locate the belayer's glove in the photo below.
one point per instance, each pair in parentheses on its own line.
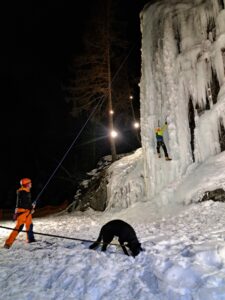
(33,207)
(15,215)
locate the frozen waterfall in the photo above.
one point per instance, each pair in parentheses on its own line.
(183,81)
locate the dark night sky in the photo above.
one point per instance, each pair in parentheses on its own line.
(37,47)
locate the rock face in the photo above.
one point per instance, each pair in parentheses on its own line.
(95,196)
(92,191)
(216,195)
(112,186)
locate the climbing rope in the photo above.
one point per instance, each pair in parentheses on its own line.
(68,150)
(48,234)
(99,104)
(57,236)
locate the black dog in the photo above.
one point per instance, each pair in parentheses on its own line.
(125,233)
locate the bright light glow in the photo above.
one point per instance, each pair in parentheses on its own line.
(131,97)
(136,125)
(113,134)
(111,112)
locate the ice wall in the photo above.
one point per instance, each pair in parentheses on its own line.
(183,45)
(126,183)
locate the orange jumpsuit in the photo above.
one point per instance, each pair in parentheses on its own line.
(24,216)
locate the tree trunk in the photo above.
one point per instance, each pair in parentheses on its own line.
(110,106)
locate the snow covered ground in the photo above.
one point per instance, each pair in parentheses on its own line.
(184,244)
(184,257)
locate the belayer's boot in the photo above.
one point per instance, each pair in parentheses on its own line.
(168,158)
(32,241)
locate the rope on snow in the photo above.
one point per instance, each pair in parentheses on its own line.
(56,236)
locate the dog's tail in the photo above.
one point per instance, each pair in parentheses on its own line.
(97,242)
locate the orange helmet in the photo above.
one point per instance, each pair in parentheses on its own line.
(25,181)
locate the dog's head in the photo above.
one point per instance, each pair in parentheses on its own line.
(135,248)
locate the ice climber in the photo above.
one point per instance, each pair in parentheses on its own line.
(160,142)
(23,213)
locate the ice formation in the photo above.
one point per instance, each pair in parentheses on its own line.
(183,81)
(126,182)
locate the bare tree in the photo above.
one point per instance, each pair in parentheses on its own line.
(96,73)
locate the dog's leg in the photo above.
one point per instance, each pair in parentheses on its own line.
(96,243)
(107,239)
(123,247)
(104,246)
(125,250)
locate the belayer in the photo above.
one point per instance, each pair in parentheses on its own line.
(160,142)
(23,213)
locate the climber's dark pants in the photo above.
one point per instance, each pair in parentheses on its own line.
(161,144)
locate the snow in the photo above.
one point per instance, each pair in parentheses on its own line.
(184,242)
(184,255)
(183,238)
(127,192)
